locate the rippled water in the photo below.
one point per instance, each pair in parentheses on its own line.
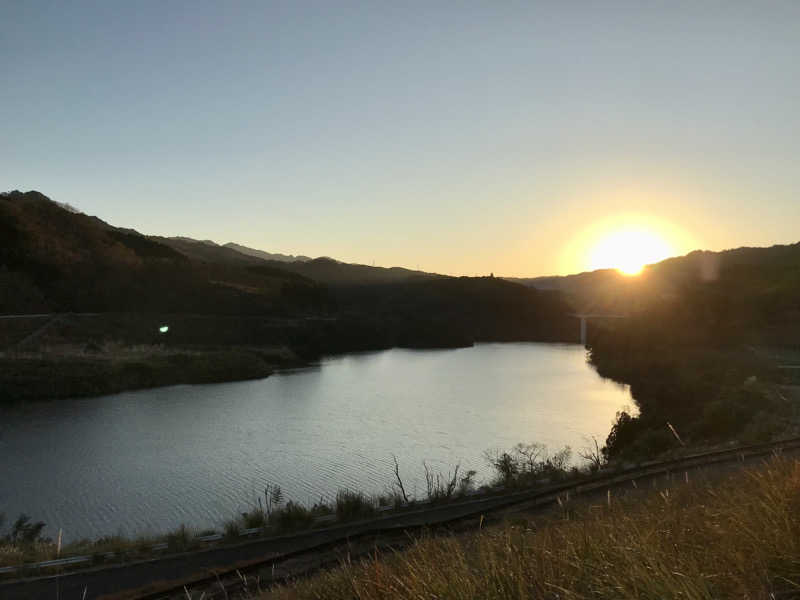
(146,461)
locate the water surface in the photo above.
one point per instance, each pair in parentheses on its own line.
(146,461)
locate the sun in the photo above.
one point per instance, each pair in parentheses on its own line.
(626,242)
(628,250)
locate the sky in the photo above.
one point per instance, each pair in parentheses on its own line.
(455,137)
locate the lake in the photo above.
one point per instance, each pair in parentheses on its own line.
(147,461)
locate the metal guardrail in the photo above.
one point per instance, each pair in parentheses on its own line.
(215,537)
(601,480)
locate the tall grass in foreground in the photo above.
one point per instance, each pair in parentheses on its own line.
(736,539)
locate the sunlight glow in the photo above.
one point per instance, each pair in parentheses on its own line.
(629,250)
(624,241)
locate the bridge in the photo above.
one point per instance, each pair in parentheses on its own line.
(584,317)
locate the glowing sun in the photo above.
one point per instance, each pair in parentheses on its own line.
(628,250)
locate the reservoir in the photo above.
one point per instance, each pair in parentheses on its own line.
(147,461)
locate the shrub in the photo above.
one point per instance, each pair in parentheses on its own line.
(763,427)
(528,464)
(504,464)
(527,456)
(179,540)
(440,487)
(292,516)
(624,431)
(393,498)
(467,482)
(23,532)
(353,505)
(560,460)
(321,509)
(255,518)
(232,529)
(651,443)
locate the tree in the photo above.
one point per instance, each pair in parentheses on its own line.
(502,462)
(529,454)
(25,532)
(399,482)
(594,456)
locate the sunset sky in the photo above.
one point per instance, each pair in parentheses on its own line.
(457,137)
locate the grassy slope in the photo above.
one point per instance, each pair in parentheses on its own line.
(740,538)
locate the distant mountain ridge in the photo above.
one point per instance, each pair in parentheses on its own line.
(186,242)
(266,255)
(206,251)
(323,269)
(608,290)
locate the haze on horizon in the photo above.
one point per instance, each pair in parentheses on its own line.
(461,138)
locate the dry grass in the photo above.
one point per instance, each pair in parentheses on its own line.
(735,539)
(130,548)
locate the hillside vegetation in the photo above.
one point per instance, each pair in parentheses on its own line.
(757,286)
(56,260)
(703,349)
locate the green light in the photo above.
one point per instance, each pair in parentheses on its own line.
(163,329)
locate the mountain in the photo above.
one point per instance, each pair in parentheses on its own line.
(323,270)
(330,271)
(58,260)
(206,251)
(266,255)
(754,279)
(335,273)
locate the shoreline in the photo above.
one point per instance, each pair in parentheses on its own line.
(70,371)
(43,376)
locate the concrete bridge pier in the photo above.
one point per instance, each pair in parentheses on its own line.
(584,317)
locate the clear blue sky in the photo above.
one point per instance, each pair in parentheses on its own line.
(461,137)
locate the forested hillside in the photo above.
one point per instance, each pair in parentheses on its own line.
(706,349)
(56,260)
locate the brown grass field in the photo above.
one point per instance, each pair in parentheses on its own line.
(735,538)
